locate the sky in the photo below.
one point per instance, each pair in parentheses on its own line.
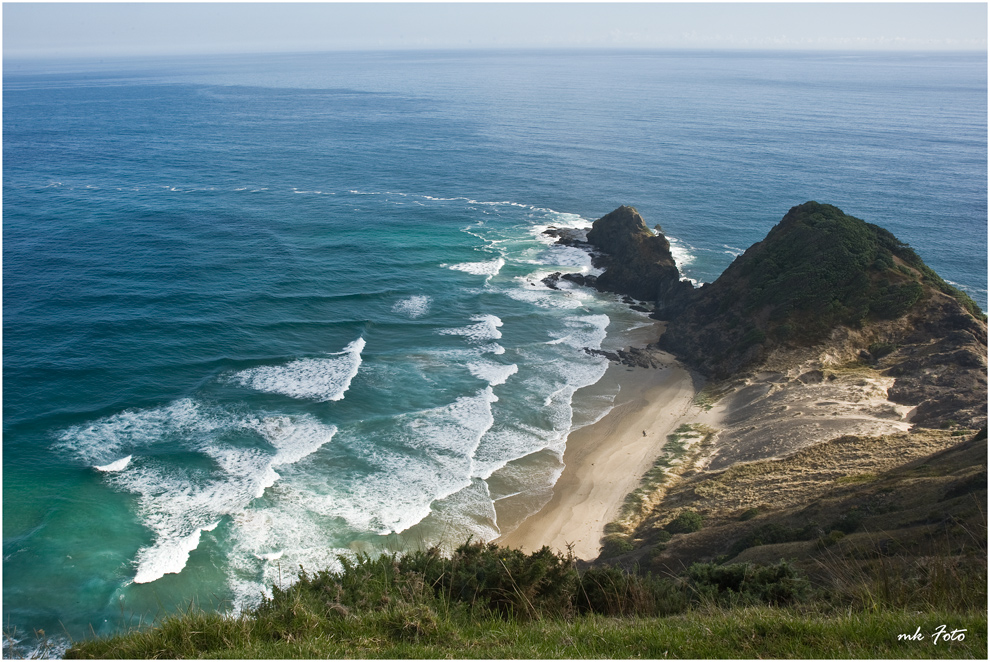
(43,29)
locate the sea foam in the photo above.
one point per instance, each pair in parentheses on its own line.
(485,328)
(487,269)
(414,306)
(118,465)
(494,373)
(98,443)
(178,502)
(322,379)
(418,458)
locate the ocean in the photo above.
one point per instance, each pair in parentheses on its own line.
(263,311)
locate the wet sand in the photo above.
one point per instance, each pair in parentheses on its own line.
(605,461)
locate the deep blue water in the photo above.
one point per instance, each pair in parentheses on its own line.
(261,311)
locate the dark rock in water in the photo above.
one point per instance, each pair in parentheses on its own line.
(611,356)
(636,357)
(581,279)
(551,280)
(638,263)
(568,236)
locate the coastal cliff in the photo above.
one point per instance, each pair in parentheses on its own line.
(845,393)
(819,270)
(822,284)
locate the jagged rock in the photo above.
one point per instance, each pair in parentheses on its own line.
(611,356)
(635,357)
(551,280)
(640,357)
(582,279)
(638,263)
(568,236)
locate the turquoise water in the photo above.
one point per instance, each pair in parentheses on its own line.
(259,312)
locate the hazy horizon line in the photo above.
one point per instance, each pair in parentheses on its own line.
(145,55)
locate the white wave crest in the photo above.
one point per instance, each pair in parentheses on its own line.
(486,328)
(177,502)
(414,306)
(541,296)
(178,506)
(555,370)
(100,442)
(426,456)
(118,465)
(323,380)
(294,440)
(494,373)
(168,558)
(489,269)
(681,252)
(585,331)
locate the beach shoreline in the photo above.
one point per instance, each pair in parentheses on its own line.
(605,461)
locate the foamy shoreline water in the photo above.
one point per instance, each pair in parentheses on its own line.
(437,472)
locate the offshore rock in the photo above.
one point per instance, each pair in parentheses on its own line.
(637,262)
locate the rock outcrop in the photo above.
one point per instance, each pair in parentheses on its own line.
(637,262)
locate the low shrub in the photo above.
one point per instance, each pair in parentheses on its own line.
(614,544)
(744,583)
(687,521)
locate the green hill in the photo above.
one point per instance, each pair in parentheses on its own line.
(816,270)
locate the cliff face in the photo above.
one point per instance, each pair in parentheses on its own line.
(637,262)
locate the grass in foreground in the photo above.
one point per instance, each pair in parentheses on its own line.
(747,632)
(489,602)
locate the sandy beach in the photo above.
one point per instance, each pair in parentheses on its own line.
(605,461)
(762,416)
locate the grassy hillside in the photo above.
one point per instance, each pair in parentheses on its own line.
(891,520)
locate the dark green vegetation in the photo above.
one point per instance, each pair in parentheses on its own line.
(820,267)
(489,602)
(816,270)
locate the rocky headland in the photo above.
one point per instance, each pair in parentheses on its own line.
(842,390)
